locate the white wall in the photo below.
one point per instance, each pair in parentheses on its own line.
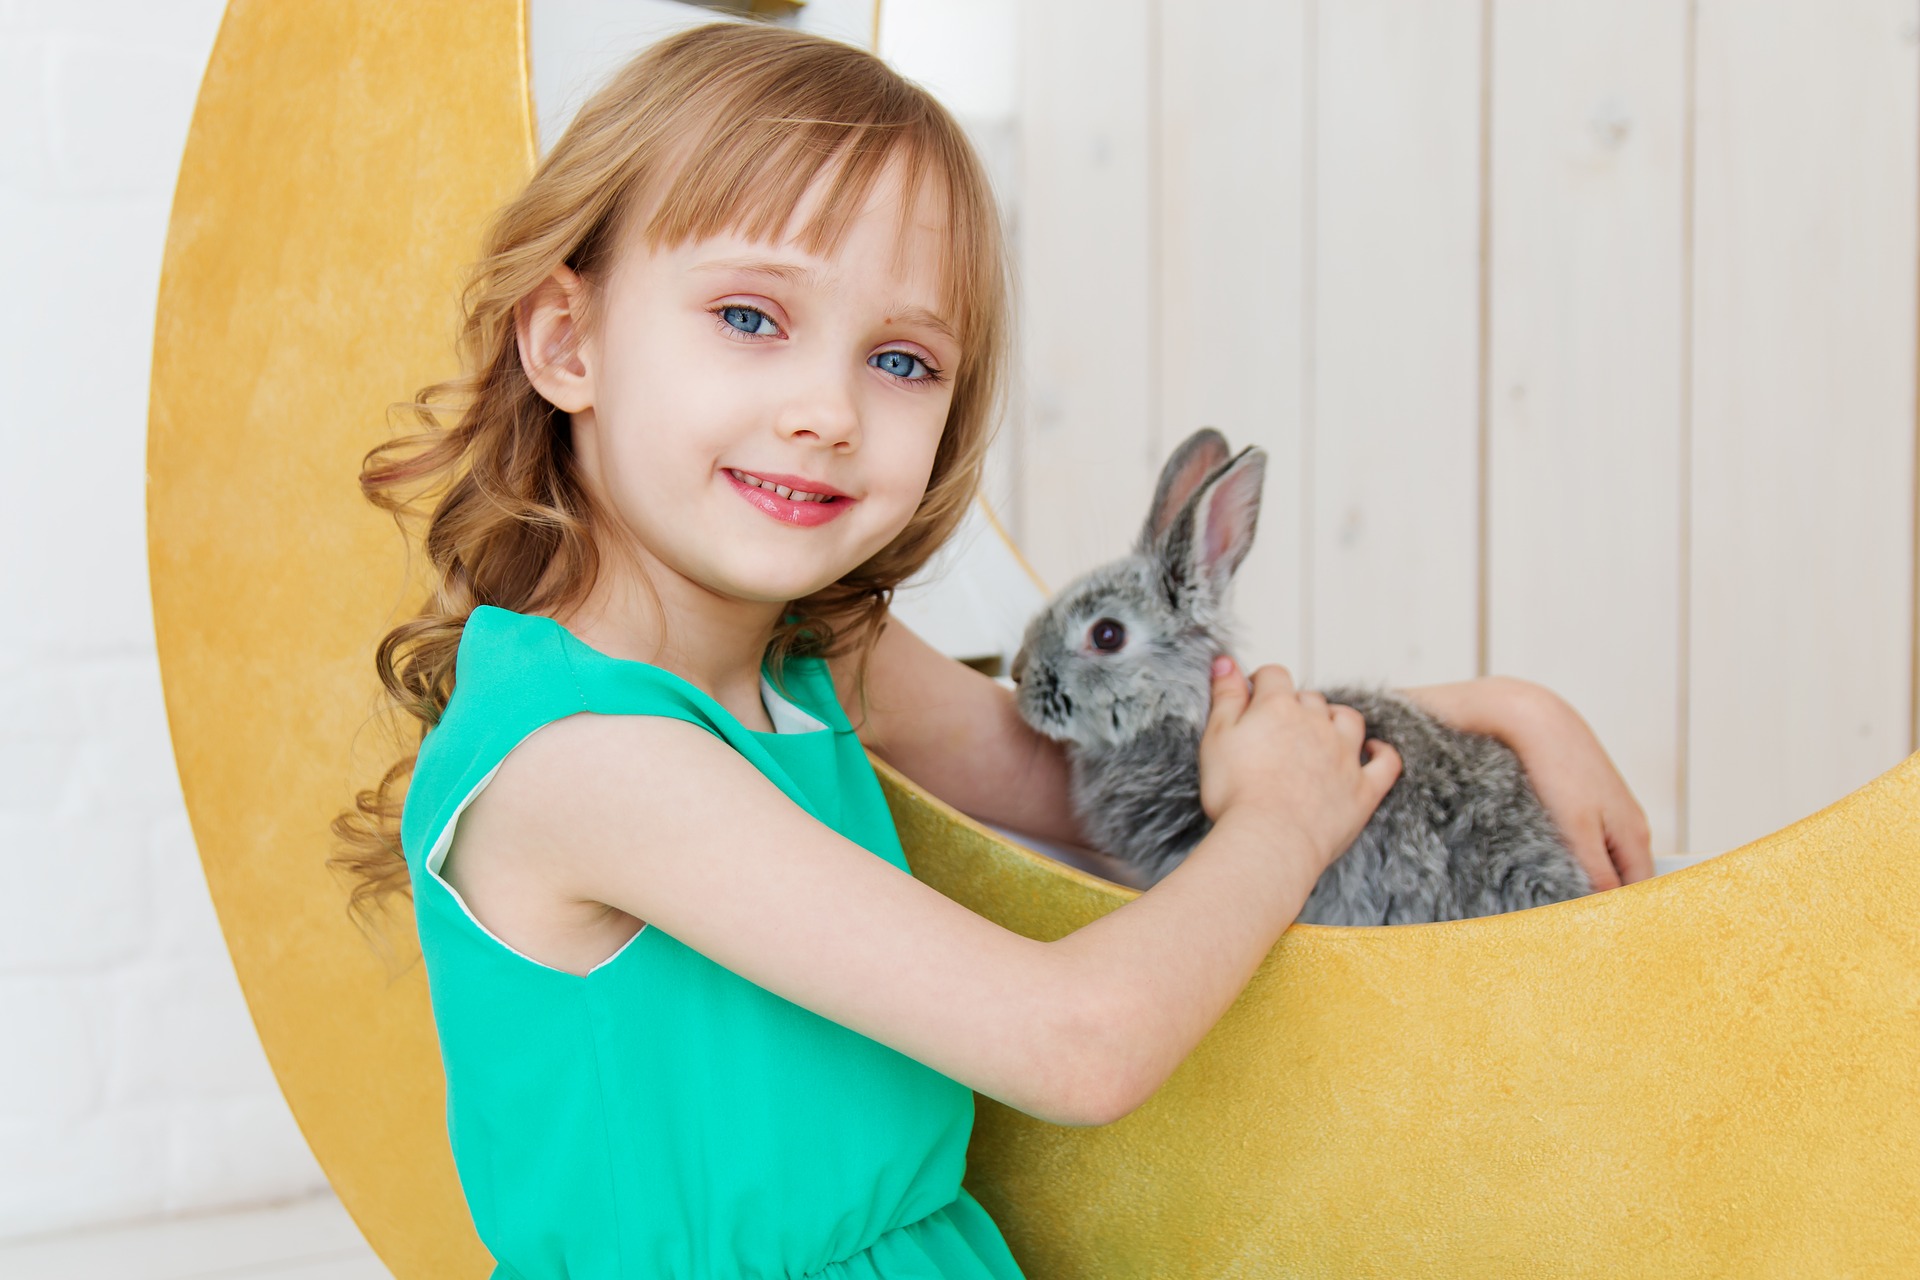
(131,1082)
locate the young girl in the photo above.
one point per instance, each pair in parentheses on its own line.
(734,353)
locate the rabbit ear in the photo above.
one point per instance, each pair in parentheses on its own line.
(1199,456)
(1212,534)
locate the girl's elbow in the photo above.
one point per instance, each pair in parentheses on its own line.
(1104,1084)
(1085,1044)
(1116,1104)
(1079,1109)
(1093,1102)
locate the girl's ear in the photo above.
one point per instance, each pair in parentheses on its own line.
(1212,534)
(548,329)
(1198,457)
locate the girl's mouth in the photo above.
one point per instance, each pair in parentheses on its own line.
(800,508)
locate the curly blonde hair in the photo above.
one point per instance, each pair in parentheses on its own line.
(720,128)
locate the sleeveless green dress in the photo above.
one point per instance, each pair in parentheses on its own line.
(662,1117)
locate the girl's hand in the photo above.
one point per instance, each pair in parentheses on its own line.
(1291,759)
(1583,793)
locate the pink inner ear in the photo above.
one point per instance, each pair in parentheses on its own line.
(1186,480)
(1229,516)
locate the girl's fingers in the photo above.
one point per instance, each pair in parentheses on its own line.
(1382,767)
(1272,681)
(1589,844)
(1630,850)
(1230,693)
(1351,724)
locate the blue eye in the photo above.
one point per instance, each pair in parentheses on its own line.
(750,320)
(901,364)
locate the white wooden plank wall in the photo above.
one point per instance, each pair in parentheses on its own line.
(1086,268)
(1800,644)
(1394,417)
(1231,326)
(1581,334)
(1585,347)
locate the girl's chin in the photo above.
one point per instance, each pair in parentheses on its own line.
(780,588)
(791,564)
(791,573)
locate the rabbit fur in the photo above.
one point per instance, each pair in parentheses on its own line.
(1460,833)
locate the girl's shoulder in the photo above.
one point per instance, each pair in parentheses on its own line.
(506,659)
(511,677)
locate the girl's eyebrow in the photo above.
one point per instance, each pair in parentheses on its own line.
(922,316)
(763,266)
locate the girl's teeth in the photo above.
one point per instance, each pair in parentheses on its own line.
(792,495)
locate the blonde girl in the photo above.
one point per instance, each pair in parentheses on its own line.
(732,360)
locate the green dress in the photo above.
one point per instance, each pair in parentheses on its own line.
(662,1117)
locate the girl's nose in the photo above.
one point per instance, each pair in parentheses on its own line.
(822,412)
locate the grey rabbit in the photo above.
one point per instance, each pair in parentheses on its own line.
(1117,666)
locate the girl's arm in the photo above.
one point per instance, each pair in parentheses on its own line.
(1583,793)
(956,733)
(659,819)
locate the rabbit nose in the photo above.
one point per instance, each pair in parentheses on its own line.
(1019,665)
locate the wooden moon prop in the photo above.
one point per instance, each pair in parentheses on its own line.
(1716,1072)
(342,159)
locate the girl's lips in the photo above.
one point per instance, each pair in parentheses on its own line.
(786,509)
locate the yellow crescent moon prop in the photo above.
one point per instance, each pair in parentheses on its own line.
(1712,1073)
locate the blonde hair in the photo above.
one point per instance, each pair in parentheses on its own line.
(720,128)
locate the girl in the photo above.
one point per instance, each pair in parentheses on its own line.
(734,353)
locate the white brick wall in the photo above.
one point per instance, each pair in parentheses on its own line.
(131,1081)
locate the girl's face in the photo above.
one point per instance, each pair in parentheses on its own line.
(725,366)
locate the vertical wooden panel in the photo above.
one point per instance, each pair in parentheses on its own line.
(1803,412)
(1086,263)
(997,138)
(1231,251)
(1585,370)
(1394,419)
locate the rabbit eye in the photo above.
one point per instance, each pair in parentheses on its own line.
(1107,635)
